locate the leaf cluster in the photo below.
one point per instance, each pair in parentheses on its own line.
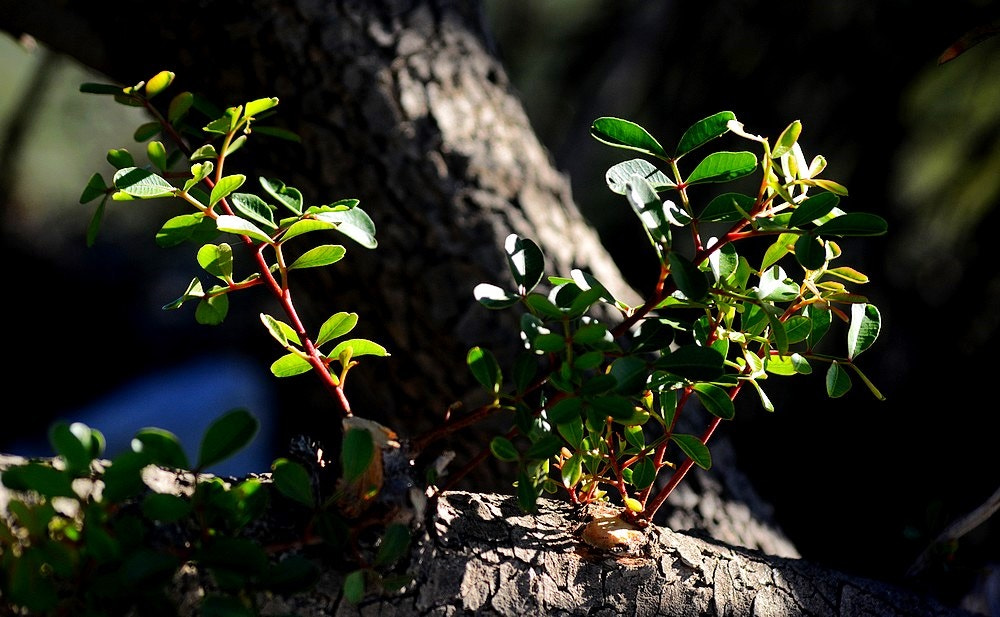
(595,402)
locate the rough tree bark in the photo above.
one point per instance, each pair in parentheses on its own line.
(403,105)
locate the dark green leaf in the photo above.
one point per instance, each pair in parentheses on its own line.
(797,327)
(526,262)
(123,478)
(293,481)
(694,449)
(548,445)
(165,508)
(643,473)
(704,131)
(394,544)
(287,196)
(810,252)
(816,207)
(564,410)
(94,88)
(820,319)
(527,494)
(357,454)
(727,207)
(74,444)
(631,372)
(715,400)
(524,370)
(195,227)
(211,311)
(626,134)
(572,431)
(838,382)
(692,362)
(354,587)
(95,188)
(292,574)
(43,479)
(161,447)
(690,280)
(616,407)
(854,224)
(146,131)
(504,449)
(226,436)
(723,167)
(572,470)
(485,368)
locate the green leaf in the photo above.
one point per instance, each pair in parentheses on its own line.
(146,131)
(776,286)
(820,319)
(797,328)
(786,140)
(287,196)
(692,362)
(157,154)
(690,280)
(526,262)
(353,223)
(619,408)
(650,210)
(394,544)
(631,372)
(236,225)
(704,131)
(813,208)
(158,83)
(212,310)
(253,208)
(778,334)
(280,133)
(305,226)
(161,447)
(165,508)
(120,159)
(485,368)
(123,478)
(357,454)
(564,410)
(694,449)
(95,188)
(572,431)
(205,152)
(618,176)
(716,400)
(259,106)
(493,297)
(548,445)
(527,494)
(354,587)
(74,445)
(226,436)
(179,106)
(866,322)
(336,326)
(225,186)
(838,382)
(142,184)
(793,364)
(643,473)
(572,470)
(854,224)
(319,256)
(292,574)
(723,167)
(810,252)
(626,134)
(503,449)
(728,207)
(182,228)
(359,347)
(293,481)
(45,480)
(279,330)
(290,365)
(217,260)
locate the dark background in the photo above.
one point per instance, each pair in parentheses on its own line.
(858,484)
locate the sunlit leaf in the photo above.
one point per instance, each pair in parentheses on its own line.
(704,131)
(225,186)
(319,256)
(694,449)
(723,167)
(626,134)
(485,368)
(290,365)
(525,260)
(618,176)
(787,139)
(336,326)
(142,184)
(854,224)
(236,225)
(866,322)
(838,382)
(715,400)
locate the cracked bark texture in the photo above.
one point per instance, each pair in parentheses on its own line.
(404,105)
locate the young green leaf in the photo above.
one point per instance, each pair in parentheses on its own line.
(212,310)
(336,326)
(253,208)
(279,330)
(287,196)
(225,186)
(305,226)
(259,106)
(226,436)
(786,140)
(239,226)
(359,347)
(217,260)
(723,167)
(289,365)
(626,134)
(354,587)
(319,256)
(353,223)
(866,322)
(293,481)
(158,83)
(704,131)
(694,449)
